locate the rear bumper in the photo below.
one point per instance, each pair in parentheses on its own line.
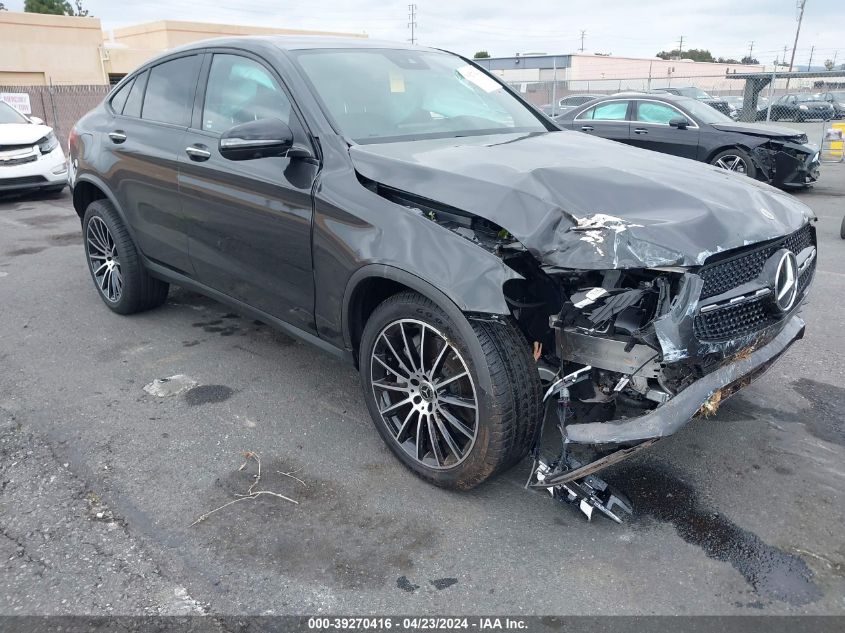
(679,410)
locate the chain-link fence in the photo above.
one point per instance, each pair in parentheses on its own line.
(60,107)
(815,101)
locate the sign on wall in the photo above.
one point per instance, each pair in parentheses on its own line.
(18,100)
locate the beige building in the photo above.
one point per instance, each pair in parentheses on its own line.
(37,49)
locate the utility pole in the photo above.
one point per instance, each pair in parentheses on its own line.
(583,33)
(750,50)
(801,5)
(412,22)
(810,63)
(681,48)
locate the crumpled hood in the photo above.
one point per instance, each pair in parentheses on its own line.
(577,201)
(22,133)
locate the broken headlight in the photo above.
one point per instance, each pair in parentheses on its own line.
(48,143)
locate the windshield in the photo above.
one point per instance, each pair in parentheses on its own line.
(377,95)
(695,93)
(705,113)
(9,115)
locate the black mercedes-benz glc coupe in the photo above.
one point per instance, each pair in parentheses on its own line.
(403,209)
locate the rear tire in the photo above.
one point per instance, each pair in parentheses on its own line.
(842,229)
(501,383)
(115,266)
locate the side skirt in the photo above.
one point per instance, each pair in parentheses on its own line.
(170,276)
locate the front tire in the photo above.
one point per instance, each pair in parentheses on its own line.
(455,402)
(735,160)
(115,266)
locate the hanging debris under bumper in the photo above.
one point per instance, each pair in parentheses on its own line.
(667,418)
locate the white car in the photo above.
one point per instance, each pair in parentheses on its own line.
(30,154)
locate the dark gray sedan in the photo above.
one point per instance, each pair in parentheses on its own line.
(686,127)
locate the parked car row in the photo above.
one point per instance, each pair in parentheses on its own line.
(800,108)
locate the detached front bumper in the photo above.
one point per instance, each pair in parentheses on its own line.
(679,410)
(796,167)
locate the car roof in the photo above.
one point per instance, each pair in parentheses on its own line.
(300,42)
(662,96)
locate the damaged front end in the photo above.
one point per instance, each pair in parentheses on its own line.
(788,162)
(637,353)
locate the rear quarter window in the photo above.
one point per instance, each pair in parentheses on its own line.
(136,96)
(120,97)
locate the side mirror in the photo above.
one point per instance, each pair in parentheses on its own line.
(36,120)
(257,139)
(679,122)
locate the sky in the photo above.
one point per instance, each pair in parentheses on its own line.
(621,27)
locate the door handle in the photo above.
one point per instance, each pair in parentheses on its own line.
(117,136)
(586,128)
(640,130)
(198,152)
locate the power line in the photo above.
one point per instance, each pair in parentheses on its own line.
(412,21)
(681,48)
(810,63)
(801,5)
(583,33)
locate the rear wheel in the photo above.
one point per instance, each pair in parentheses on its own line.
(455,402)
(735,160)
(121,280)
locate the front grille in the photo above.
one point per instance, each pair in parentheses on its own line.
(733,321)
(744,318)
(727,274)
(9,148)
(18,161)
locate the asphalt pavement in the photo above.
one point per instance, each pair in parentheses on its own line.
(100,481)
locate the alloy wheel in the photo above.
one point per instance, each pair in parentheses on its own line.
(732,162)
(104,259)
(424,393)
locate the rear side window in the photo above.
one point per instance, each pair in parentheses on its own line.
(120,97)
(612,111)
(170,91)
(136,96)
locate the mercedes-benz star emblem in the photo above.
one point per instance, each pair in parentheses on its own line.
(786,281)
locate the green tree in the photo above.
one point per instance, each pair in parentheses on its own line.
(695,54)
(749,60)
(481,55)
(829,64)
(3,7)
(55,7)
